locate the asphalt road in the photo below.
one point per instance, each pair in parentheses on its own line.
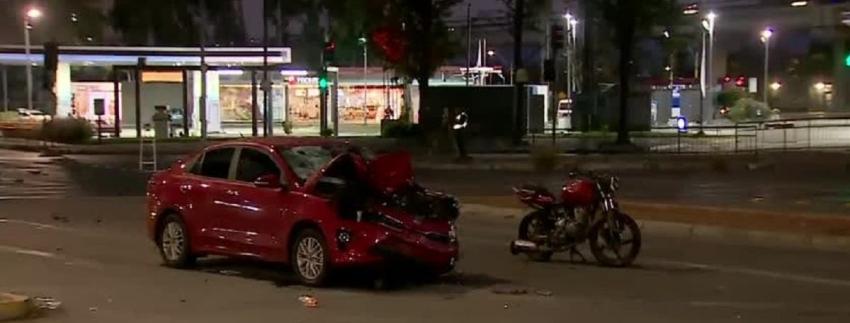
(87,248)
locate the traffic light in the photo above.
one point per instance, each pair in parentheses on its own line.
(329,53)
(847,60)
(741,81)
(323,79)
(557,37)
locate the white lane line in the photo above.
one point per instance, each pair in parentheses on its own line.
(29,252)
(754,272)
(37,225)
(49,255)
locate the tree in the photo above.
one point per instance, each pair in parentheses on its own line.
(628,18)
(419,42)
(177,22)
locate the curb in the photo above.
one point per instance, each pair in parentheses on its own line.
(710,232)
(13,306)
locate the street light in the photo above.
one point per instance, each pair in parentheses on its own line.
(708,24)
(32,14)
(775,86)
(765,38)
(491,53)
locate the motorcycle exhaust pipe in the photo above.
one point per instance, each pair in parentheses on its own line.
(519,246)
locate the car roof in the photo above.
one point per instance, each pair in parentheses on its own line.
(285,142)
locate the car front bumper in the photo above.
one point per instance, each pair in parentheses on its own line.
(375,245)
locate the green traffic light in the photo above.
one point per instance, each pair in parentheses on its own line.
(323,83)
(847,60)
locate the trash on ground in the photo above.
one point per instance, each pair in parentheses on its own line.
(93,309)
(505,307)
(543,292)
(46,303)
(4,220)
(510,290)
(60,218)
(228,272)
(308,301)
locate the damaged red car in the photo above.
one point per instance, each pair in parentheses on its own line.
(316,204)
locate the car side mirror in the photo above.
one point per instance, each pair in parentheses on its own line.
(268,181)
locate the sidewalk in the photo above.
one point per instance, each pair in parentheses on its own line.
(818,231)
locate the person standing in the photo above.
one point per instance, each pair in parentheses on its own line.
(459,127)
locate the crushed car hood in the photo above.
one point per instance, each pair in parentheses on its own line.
(387,173)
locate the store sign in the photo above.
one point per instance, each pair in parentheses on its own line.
(307,80)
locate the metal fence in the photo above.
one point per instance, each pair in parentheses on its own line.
(751,137)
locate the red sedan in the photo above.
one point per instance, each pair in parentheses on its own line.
(314,203)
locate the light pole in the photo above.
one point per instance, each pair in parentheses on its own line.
(708,24)
(32,14)
(571,30)
(765,38)
(364,42)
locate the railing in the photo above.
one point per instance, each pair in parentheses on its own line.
(750,137)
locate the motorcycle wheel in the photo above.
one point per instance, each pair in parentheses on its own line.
(529,227)
(607,244)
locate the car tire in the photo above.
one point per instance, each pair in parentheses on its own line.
(309,257)
(173,243)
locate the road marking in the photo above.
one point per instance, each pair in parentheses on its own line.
(28,252)
(37,225)
(755,272)
(49,255)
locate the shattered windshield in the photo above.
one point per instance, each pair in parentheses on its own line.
(306,160)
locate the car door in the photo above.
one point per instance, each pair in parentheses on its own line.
(259,209)
(209,198)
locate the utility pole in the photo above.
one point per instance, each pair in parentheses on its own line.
(520,79)
(202,106)
(468,41)
(588,69)
(266,84)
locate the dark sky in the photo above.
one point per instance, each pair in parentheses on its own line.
(253,10)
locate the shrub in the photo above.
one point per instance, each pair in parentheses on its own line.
(728,98)
(544,159)
(287,127)
(749,110)
(67,130)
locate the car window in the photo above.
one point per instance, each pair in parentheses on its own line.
(254,163)
(216,163)
(195,165)
(306,160)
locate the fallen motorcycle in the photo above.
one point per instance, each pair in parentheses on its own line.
(587,211)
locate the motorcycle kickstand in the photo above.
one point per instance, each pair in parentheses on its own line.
(575,252)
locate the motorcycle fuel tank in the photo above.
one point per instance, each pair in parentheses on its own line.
(578,192)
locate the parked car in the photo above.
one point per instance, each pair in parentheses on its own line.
(32,115)
(317,204)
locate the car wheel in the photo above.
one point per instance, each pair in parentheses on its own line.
(309,257)
(174,243)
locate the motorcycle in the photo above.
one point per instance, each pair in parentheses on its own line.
(586,212)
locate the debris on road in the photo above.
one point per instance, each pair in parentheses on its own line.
(60,218)
(3,220)
(308,301)
(93,309)
(228,272)
(34,171)
(510,290)
(543,292)
(505,307)
(46,303)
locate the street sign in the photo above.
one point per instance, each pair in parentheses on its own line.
(753,85)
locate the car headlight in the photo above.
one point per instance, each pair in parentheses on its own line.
(453,232)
